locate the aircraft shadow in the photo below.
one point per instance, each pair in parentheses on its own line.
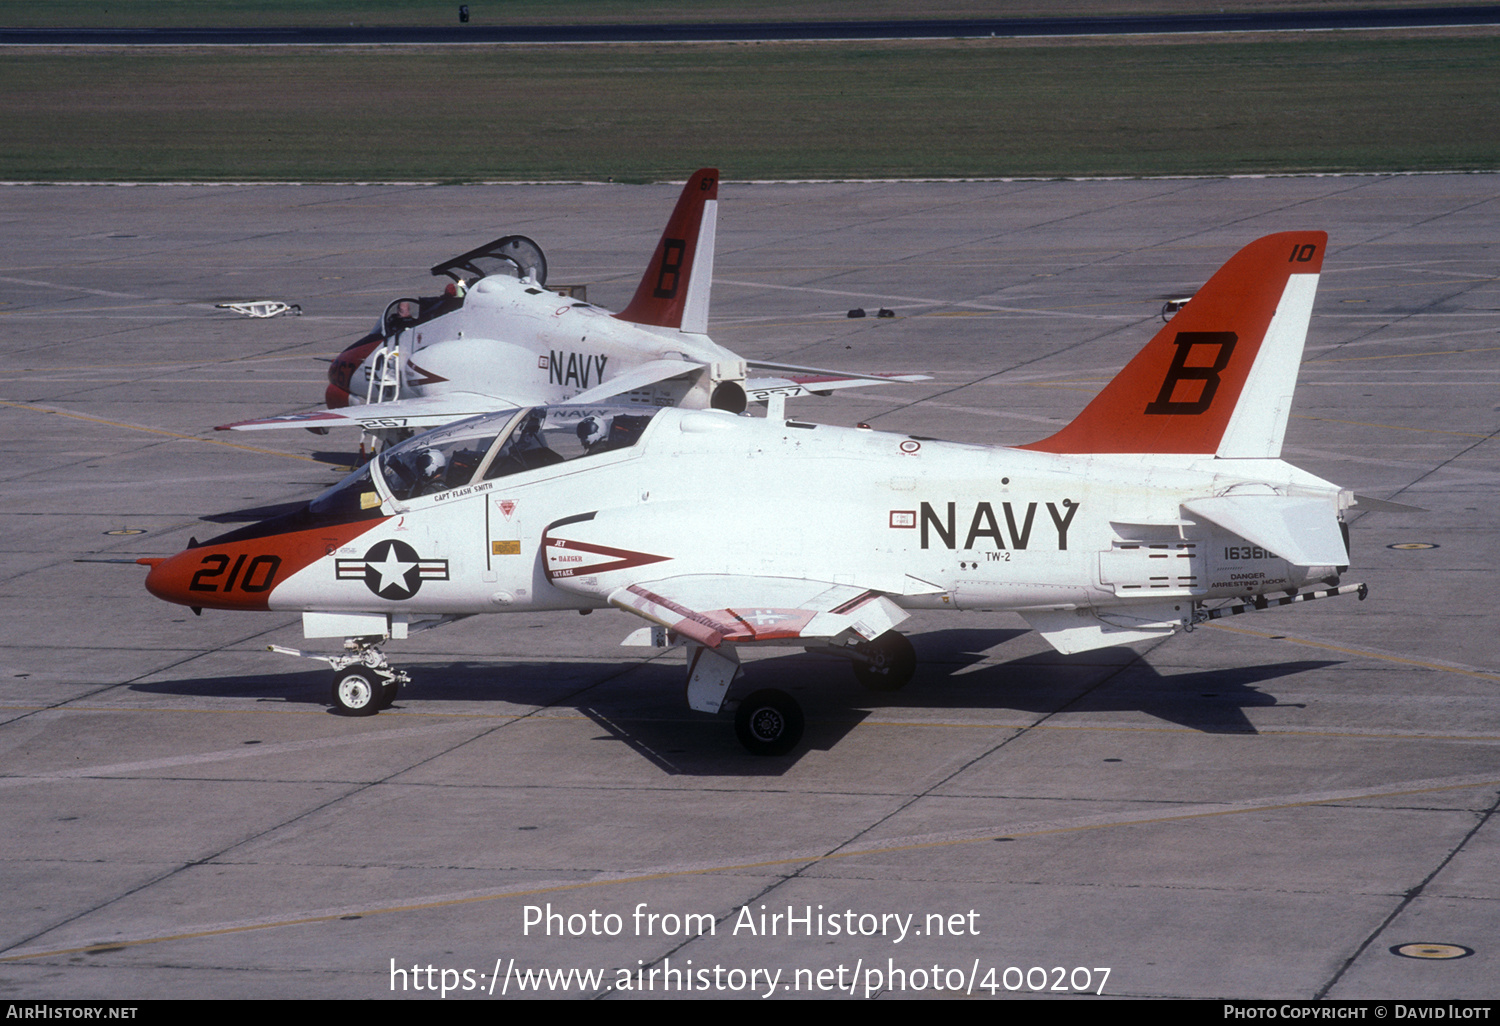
(254,513)
(641,704)
(250,514)
(1107,680)
(1210,701)
(347,459)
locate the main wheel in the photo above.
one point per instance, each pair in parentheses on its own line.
(388,693)
(769,722)
(356,693)
(892,662)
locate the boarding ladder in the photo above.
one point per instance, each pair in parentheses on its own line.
(384,382)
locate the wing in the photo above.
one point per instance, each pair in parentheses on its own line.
(718,613)
(715,609)
(422,412)
(793,381)
(431,411)
(636,377)
(759,389)
(788,380)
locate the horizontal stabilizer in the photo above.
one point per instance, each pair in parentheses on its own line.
(1365,503)
(1304,532)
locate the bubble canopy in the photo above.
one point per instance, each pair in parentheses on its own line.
(490,446)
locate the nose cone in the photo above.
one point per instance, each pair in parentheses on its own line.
(219,577)
(336,396)
(245,568)
(341,372)
(169,578)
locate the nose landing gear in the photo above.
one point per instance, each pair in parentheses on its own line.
(363,682)
(363,692)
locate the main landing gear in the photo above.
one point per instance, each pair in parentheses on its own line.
(363,682)
(768,722)
(885,664)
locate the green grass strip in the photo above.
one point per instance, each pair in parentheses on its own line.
(1316,102)
(239,13)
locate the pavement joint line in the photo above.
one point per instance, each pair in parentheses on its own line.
(1206,810)
(1402,356)
(179,364)
(976,308)
(225,755)
(1186,36)
(1406,899)
(1471,280)
(357,789)
(1403,340)
(1388,427)
(969,180)
(544,716)
(150,430)
(320,711)
(858,839)
(1367,653)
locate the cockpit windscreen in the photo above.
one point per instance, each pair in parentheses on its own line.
(508,442)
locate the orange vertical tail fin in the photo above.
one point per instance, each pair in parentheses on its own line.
(1218,378)
(673,293)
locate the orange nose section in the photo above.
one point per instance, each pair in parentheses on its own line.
(219,578)
(335,397)
(341,371)
(243,569)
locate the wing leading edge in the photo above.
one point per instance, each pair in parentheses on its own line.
(714,614)
(422,412)
(717,609)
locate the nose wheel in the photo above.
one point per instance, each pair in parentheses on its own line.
(362,692)
(363,682)
(355,693)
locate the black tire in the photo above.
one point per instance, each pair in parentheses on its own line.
(892,662)
(769,722)
(356,693)
(388,694)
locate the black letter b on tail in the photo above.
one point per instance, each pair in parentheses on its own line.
(1180,371)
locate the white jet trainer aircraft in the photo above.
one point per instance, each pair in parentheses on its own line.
(498,339)
(1164,504)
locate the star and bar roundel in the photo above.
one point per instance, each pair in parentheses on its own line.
(392,570)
